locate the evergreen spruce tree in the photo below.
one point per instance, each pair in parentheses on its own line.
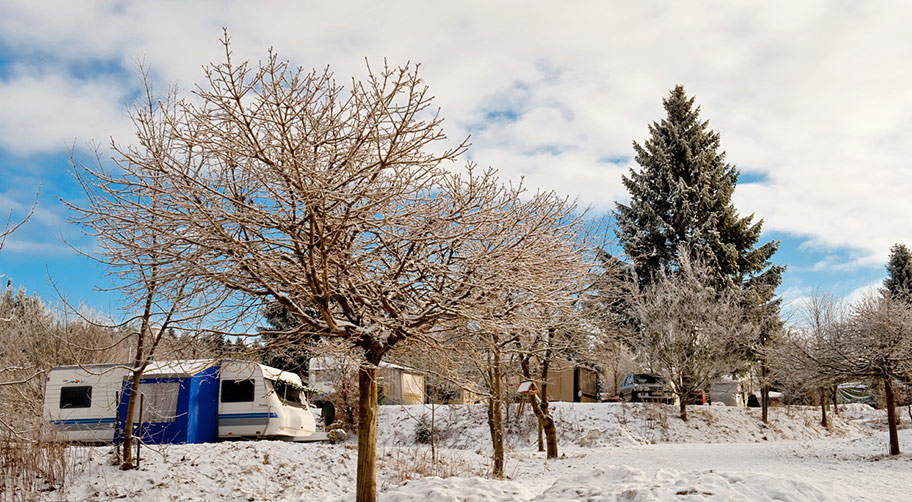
(682,196)
(898,283)
(287,344)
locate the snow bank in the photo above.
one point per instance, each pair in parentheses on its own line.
(230,471)
(619,424)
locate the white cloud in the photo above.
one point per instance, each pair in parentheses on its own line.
(36,248)
(813,96)
(796,299)
(860,293)
(50,112)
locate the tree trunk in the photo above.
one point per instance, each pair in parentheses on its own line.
(549,426)
(683,408)
(823,407)
(366,481)
(434,435)
(764,392)
(546,423)
(495,416)
(539,407)
(550,437)
(891,415)
(835,392)
(139,366)
(128,421)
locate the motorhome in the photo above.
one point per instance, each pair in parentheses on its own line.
(189,401)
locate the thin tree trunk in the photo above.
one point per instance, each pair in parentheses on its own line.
(546,422)
(366,481)
(549,426)
(117,453)
(139,366)
(823,407)
(835,393)
(540,409)
(433,435)
(891,415)
(683,408)
(128,422)
(495,415)
(142,399)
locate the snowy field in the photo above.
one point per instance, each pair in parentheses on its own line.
(609,452)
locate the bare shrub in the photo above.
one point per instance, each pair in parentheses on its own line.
(37,337)
(416,463)
(33,460)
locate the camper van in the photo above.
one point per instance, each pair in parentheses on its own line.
(193,401)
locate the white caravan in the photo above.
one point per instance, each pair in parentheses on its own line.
(260,401)
(82,401)
(252,401)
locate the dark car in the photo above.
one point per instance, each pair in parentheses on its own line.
(644,387)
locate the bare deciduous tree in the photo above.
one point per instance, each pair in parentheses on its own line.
(37,337)
(797,359)
(531,287)
(126,212)
(9,227)
(607,311)
(542,350)
(875,342)
(690,332)
(281,186)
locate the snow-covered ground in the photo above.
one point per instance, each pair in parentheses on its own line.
(609,452)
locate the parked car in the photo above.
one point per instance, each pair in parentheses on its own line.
(644,387)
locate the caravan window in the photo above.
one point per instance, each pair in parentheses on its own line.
(237,391)
(76,397)
(288,392)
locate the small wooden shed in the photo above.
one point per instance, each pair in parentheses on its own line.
(397,384)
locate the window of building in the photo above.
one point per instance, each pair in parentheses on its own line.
(76,397)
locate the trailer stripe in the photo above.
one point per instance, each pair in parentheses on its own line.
(232,416)
(80,421)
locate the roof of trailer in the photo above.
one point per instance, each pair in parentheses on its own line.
(185,367)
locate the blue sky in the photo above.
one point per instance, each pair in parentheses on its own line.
(813,102)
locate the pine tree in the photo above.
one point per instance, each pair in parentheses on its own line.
(898,284)
(681,196)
